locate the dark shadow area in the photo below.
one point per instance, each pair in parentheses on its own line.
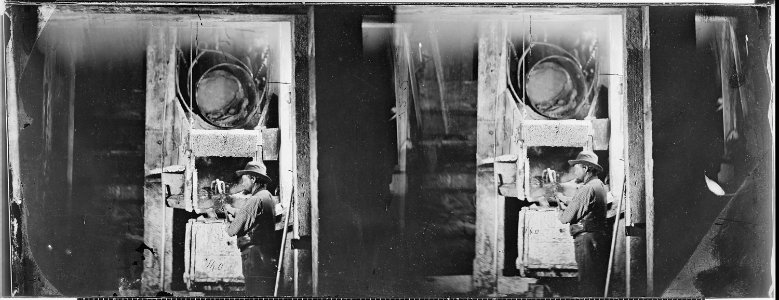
(360,249)
(688,142)
(88,132)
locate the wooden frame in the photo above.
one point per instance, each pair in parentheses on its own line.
(639,208)
(489,256)
(296,141)
(489,208)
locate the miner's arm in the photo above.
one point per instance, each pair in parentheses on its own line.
(244,218)
(575,209)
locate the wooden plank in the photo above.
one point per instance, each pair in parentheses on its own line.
(153,236)
(491,83)
(313,155)
(516,146)
(635,209)
(285,61)
(402,90)
(547,243)
(618,125)
(215,256)
(235,143)
(648,160)
(399,185)
(227,143)
(9,132)
(190,173)
(160,151)
(511,190)
(566,133)
(484,265)
(302,222)
(503,133)
(159,95)
(12,123)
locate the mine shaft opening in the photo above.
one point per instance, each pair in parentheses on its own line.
(526,92)
(230,110)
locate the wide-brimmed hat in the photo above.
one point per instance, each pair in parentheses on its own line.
(587,158)
(255,168)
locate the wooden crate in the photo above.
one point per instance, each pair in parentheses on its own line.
(211,256)
(545,245)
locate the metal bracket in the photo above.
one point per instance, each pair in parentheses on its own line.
(258,155)
(636,229)
(303,243)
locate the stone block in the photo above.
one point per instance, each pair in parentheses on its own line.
(565,133)
(229,143)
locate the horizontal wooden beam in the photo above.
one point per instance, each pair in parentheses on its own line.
(566,133)
(406,13)
(509,190)
(236,143)
(211,15)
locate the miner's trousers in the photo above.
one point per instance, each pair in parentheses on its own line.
(592,251)
(258,272)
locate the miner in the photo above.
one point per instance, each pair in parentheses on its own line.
(253,223)
(586,214)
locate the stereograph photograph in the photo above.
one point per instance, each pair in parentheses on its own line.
(525,150)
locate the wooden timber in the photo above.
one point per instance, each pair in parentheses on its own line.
(565,133)
(313,156)
(489,206)
(235,143)
(636,248)
(510,133)
(399,187)
(303,75)
(160,105)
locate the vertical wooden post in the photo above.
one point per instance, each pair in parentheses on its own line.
(489,206)
(648,161)
(313,155)
(401,115)
(12,121)
(636,248)
(303,64)
(288,150)
(14,182)
(160,151)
